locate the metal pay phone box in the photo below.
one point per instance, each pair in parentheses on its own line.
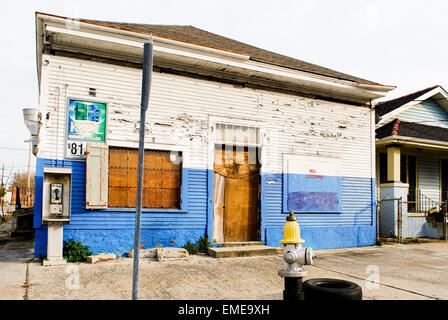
(56,198)
(56,195)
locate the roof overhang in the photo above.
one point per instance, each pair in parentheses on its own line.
(439,95)
(412,142)
(62,33)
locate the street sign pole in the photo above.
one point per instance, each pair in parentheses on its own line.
(146,86)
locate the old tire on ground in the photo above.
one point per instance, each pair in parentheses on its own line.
(331,289)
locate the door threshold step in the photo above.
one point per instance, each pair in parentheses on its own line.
(242,251)
(240,243)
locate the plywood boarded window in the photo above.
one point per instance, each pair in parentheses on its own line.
(161,178)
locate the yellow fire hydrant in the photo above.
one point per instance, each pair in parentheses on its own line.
(295,257)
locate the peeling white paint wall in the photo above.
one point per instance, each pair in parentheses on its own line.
(179,111)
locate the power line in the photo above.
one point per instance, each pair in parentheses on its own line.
(12,148)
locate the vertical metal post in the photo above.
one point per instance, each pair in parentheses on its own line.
(399,219)
(293,289)
(29,174)
(444,210)
(378,217)
(146,86)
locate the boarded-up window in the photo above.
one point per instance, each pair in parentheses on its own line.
(161,178)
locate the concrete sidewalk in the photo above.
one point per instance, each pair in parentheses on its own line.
(14,258)
(414,271)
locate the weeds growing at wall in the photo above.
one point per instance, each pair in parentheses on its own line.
(191,248)
(75,251)
(203,244)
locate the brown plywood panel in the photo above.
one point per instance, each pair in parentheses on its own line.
(154,199)
(117,177)
(153,160)
(168,164)
(161,178)
(239,168)
(117,197)
(171,180)
(118,158)
(240,217)
(152,179)
(170,198)
(133,159)
(131,197)
(132,177)
(236,162)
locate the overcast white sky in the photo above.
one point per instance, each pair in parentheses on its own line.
(401,43)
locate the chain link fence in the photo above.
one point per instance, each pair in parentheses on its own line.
(389,218)
(393,217)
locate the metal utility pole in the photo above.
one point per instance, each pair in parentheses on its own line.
(2,190)
(146,86)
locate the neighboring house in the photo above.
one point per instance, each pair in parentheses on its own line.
(236,137)
(412,158)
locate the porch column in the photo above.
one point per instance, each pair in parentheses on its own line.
(393,163)
(393,189)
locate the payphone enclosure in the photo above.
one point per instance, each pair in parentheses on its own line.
(56,195)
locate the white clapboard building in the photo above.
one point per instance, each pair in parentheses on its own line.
(236,137)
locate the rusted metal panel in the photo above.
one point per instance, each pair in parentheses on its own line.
(161,179)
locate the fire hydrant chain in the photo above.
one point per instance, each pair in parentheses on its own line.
(295,257)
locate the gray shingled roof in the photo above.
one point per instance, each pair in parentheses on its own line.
(388,106)
(413,130)
(197,36)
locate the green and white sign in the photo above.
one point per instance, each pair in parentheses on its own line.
(86,122)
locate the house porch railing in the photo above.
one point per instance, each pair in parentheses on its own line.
(417,202)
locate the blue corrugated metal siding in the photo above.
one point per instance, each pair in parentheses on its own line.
(167,227)
(357,206)
(112,229)
(353,226)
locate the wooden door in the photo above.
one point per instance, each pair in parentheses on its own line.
(236,193)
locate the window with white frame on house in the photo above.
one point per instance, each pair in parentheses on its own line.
(162,177)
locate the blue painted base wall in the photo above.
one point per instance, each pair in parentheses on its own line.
(328,237)
(121,241)
(112,230)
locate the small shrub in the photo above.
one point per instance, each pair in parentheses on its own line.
(203,244)
(75,251)
(191,247)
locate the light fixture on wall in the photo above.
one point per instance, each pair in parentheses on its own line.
(31,118)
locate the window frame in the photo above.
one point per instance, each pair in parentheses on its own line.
(183,207)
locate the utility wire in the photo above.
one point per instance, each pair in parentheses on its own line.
(12,148)
(383,284)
